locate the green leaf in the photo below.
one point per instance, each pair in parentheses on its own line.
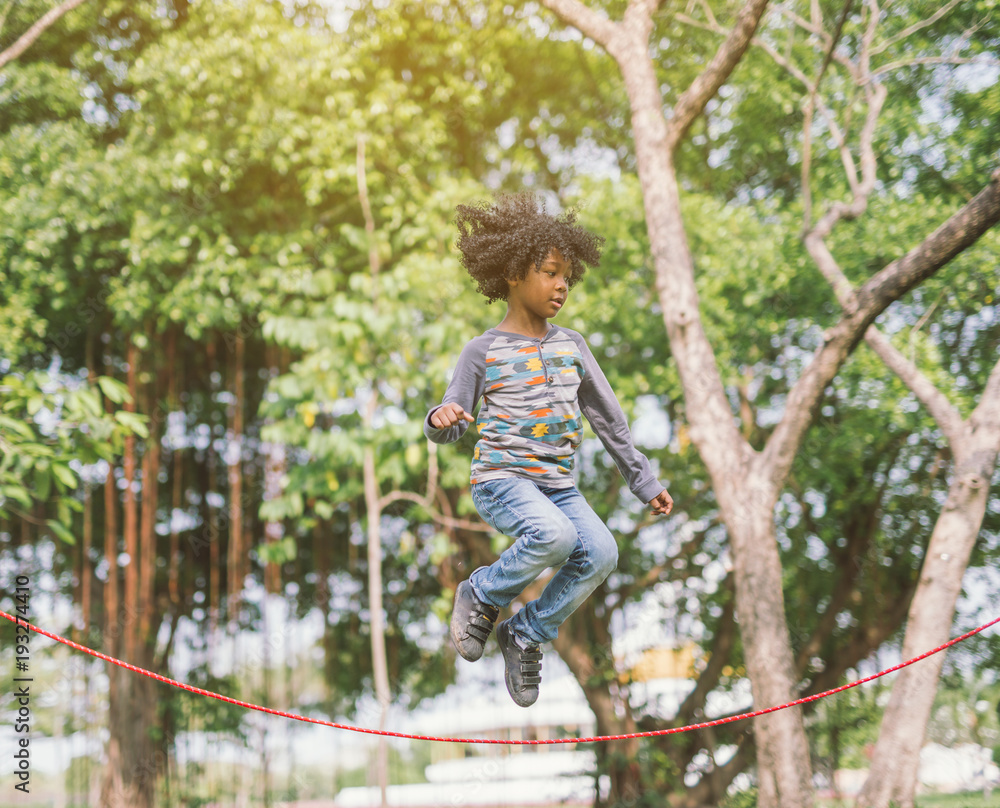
(65,475)
(274,510)
(16,493)
(116,391)
(61,531)
(133,422)
(21,428)
(90,402)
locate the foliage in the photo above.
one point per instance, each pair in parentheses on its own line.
(189,173)
(50,428)
(747,798)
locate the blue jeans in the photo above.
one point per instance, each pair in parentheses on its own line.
(550,527)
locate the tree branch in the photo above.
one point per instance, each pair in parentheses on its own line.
(722,645)
(946,415)
(941,409)
(811,88)
(586,20)
(708,13)
(989,402)
(814,26)
(811,103)
(834,41)
(816,29)
(816,13)
(861,644)
(693,100)
(437,516)
(806,169)
(917,26)
(935,60)
(861,188)
(27,39)
(868,38)
(959,232)
(712,785)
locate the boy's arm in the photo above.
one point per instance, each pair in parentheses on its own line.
(601,408)
(464,391)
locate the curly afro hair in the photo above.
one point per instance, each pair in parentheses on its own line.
(503,240)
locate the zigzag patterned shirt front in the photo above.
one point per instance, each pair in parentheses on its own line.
(535,393)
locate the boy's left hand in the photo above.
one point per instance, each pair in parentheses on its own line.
(662,503)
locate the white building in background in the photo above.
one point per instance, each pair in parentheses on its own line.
(545,776)
(968,767)
(497,774)
(538,776)
(943,770)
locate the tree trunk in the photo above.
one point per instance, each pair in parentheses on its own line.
(584,645)
(111,782)
(177,475)
(784,769)
(275,466)
(234,450)
(130,524)
(373,506)
(321,551)
(274,530)
(380,668)
(892,779)
(741,478)
(150,505)
(86,568)
(747,483)
(130,771)
(215,558)
(974,444)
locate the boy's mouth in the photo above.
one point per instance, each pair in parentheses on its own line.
(558,301)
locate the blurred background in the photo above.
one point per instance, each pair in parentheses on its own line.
(229,294)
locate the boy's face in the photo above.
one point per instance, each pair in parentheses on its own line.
(544,289)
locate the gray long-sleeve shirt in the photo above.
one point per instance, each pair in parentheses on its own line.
(533,392)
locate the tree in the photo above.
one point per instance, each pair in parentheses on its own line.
(973,442)
(163,255)
(25,40)
(40,462)
(848,524)
(210,229)
(747,501)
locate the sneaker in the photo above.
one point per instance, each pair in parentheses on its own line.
(471,622)
(523,666)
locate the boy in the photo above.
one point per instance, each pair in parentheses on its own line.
(536,380)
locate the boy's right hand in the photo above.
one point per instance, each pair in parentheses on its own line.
(447,415)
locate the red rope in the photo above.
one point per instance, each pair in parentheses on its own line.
(599,738)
